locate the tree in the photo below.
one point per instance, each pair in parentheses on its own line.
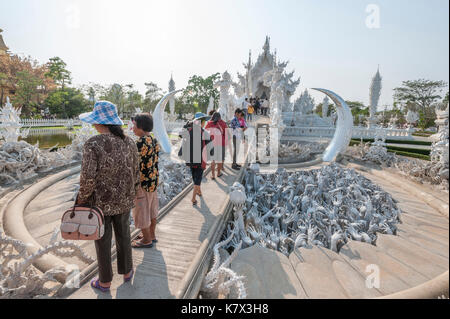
(26,95)
(359,110)
(421,92)
(420,95)
(58,72)
(11,65)
(153,94)
(3,81)
(199,90)
(67,103)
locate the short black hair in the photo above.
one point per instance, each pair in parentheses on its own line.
(144,122)
(211,113)
(237,111)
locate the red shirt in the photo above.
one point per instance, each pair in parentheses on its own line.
(215,129)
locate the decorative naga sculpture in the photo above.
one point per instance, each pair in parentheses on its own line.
(10,123)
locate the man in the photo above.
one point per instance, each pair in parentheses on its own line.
(257,106)
(245,105)
(265,107)
(237,127)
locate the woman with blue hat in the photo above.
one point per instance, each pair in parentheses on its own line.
(109,179)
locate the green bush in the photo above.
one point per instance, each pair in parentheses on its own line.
(397,142)
(413,155)
(409,150)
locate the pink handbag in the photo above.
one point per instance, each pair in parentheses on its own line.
(83,223)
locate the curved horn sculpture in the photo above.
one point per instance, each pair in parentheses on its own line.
(344,127)
(159,128)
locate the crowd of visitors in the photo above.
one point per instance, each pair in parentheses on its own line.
(120,176)
(254,106)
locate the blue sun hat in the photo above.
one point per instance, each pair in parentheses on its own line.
(104,113)
(201,116)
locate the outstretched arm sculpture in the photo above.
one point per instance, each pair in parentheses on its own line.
(159,128)
(344,127)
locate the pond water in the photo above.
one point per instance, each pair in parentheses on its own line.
(49,138)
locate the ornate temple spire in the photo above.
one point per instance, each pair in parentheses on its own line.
(266,46)
(171,84)
(3,48)
(375,92)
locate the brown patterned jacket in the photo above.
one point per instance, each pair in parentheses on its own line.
(110,174)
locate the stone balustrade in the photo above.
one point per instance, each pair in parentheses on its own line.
(358,132)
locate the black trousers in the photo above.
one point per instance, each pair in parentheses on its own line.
(121,225)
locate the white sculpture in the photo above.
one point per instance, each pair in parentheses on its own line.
(344,127)
(226,105)
(412,117)
(159,127)
(375,93)
(253,83)
(273,80)
(325,107)
(18,277)
(210,105)
(289,210)
(305,104)
(10,123)
(172,99)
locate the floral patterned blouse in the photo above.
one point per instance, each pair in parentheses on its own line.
(148,148)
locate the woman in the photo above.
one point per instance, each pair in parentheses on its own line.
(195,139)
(147,203)
(218,132)
(109,180)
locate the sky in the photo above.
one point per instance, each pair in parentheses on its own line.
(330,44)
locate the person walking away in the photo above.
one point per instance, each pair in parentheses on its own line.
(265,106)
(237,129)
(217,129)
(245,105)
(109,180)
(251,111)
(195,139)
(146,202)
(258,106)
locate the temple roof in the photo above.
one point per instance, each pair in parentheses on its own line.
(3,46)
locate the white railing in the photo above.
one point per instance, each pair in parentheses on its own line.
(49,122)
(358,132)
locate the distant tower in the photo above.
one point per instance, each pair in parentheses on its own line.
(325,106)
(172,100)
(3,48)
(375,93)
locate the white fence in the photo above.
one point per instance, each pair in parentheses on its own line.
(171,126)
(49,122)
(358,132)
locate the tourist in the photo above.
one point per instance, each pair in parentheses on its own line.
(146,207)
(238,125)
(217,129)
(257,106)
(245,105)
(250,111)
(109,180)
(265,107)
(193,151)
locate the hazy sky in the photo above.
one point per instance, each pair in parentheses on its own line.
(331,44)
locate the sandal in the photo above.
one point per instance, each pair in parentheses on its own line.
(194,203)
(95,283)
(139,244)
(129,278)
(154,241)
(220,175)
